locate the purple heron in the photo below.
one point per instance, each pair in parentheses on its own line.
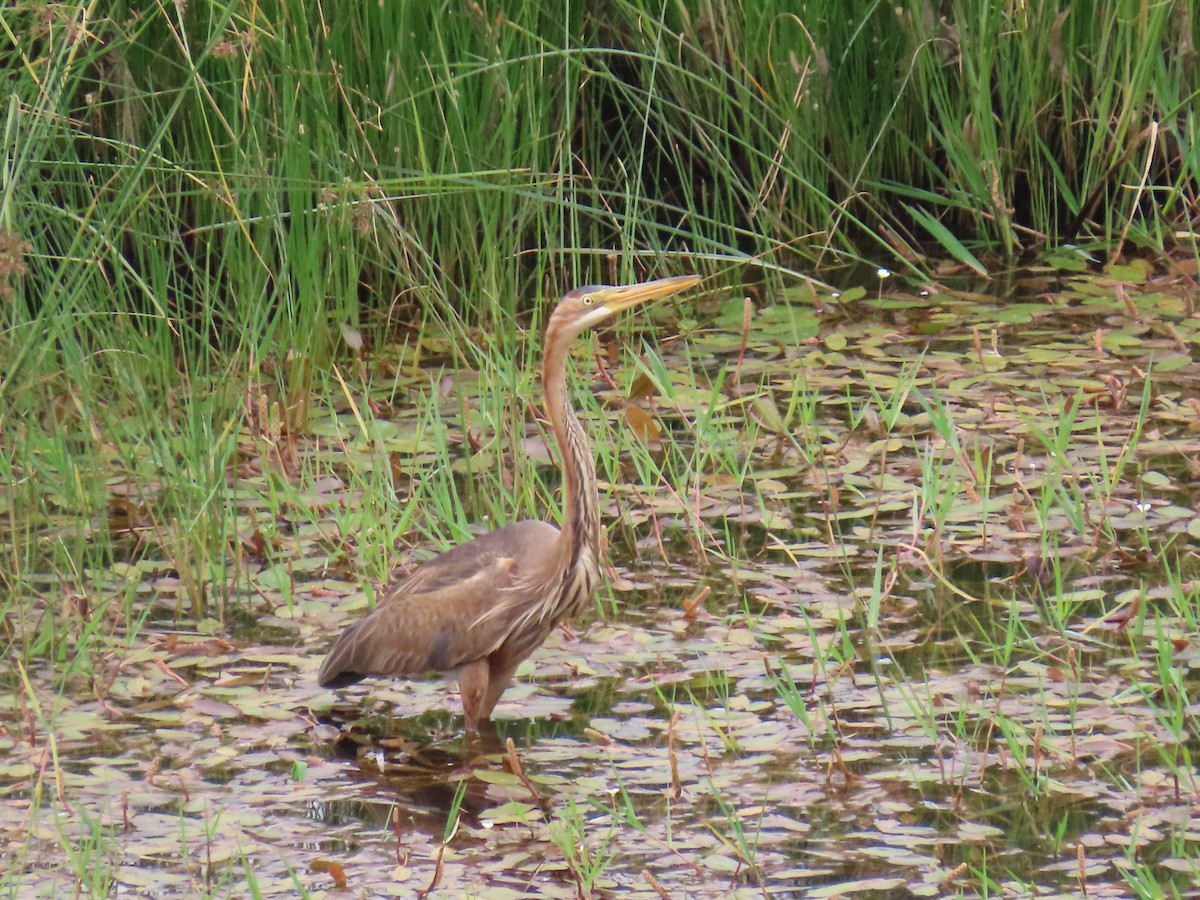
(480,608)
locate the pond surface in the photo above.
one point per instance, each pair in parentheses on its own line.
(903,603)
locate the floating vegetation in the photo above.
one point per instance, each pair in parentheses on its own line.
(902,600)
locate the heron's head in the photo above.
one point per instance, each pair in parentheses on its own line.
(587,306)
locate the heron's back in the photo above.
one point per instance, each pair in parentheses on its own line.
(458,607)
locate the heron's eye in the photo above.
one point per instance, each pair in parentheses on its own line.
(586,299)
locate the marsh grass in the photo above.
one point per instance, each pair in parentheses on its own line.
(586,848)
(208,193)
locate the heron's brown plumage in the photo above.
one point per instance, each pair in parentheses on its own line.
(429,621)
(482,607)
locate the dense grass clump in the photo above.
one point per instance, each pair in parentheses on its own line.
(246,166)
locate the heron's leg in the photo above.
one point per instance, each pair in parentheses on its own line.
(500,673)
(475,689)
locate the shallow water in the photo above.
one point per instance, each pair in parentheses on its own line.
(948,648)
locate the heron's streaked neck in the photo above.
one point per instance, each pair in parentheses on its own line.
(581,502)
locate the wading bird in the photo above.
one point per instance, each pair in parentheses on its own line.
(479,609)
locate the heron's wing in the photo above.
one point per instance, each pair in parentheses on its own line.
(435,620)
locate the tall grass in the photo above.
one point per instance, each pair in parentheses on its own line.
(198,198)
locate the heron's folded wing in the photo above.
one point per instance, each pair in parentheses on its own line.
(436,619)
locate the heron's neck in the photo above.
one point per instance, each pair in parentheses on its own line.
(581,514)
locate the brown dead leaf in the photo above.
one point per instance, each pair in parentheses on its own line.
(333,869)
(643,425)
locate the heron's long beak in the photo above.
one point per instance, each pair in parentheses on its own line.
(617,299)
